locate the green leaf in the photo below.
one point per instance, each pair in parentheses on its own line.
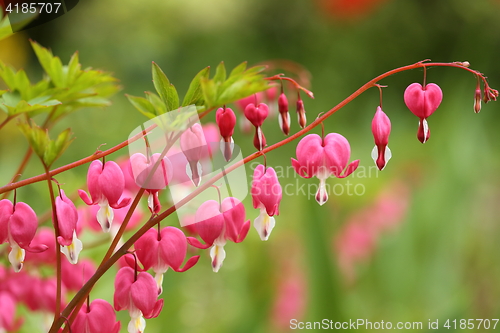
(143,106)
(51,65)
(239,69)
(47,150)
(157,103)
(165,89)
(23,107)
(220,73)
(209,92)
(194,95)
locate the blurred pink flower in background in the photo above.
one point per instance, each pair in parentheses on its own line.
(357,240)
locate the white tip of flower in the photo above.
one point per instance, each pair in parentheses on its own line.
(136,324)
(264,224)
(196,178)
(159,282)
(375,154)
(218,254)
(387,155)
(72,251)
(16,257)
(105,216)
(227,149)
(322,194)
(259,135)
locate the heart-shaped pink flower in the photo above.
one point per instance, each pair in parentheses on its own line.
(423,101)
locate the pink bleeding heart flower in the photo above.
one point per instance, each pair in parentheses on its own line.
(226,120)
(97,317)
(163,250)
(381,129)
(45,235)
(142,168)
(138,294)
(266,195)
(67,218)
(7,315)
(216,223)
(18,224)
(256,115)
(284,117)
(323,157)
(422,102)
(106,184)
(193,144)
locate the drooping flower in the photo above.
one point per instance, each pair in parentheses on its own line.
(138,294)
(301,113)
(216,223)
(226,120)
(193,144)
(67,218)
(98,317)
(106,184)
(322,157)
(284,117)
(18,224)
(266,195)
(163,250)
(381,129)
(142,168)
(256,114)
(422,102)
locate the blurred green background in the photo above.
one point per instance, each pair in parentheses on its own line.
(441,259)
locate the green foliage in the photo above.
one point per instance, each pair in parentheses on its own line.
(63,90)
(203,92)
(47,149)
(7,23)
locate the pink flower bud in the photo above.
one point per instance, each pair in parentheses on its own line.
(284,117)
(18,224)
(323,157)
(422,102)
(477,100)
(226,120)
(301,113)
(381,129)
(98,317)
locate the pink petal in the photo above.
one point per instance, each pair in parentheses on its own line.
(309,155)
(123,281)
(193,142)
(112,182)
(146,248)
(144,294)
(423,101)
(6,211)
(209,222)
(67,217)
(23,224)
(173,247)
(234,216)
